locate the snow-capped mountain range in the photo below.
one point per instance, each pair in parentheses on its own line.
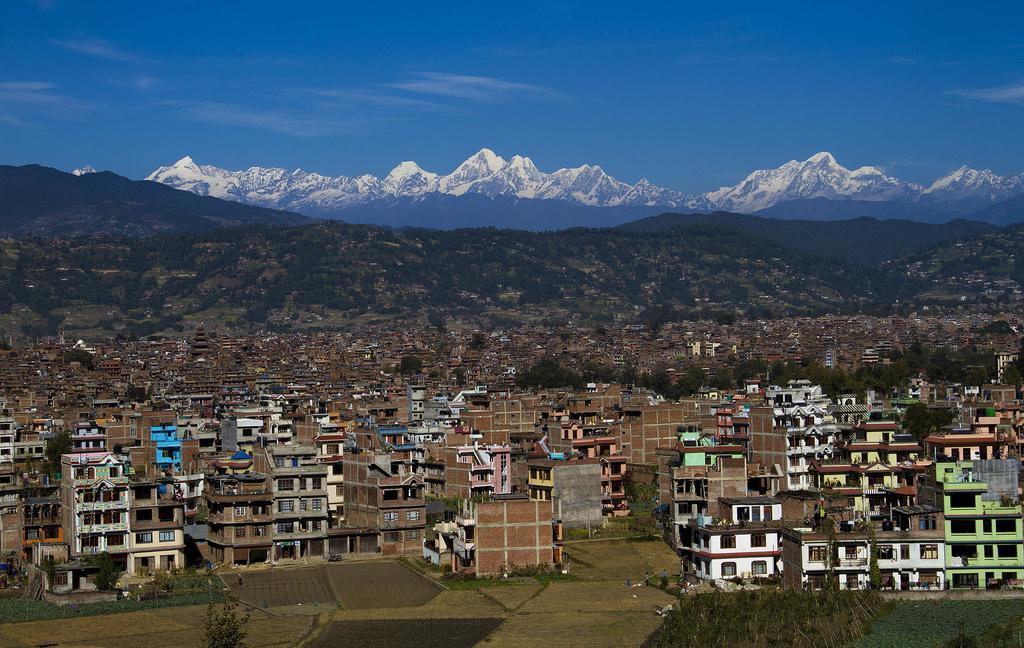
(485,173)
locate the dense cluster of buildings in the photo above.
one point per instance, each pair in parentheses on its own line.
(252,450)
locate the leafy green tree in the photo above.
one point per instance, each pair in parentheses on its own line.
(108,573)
(80,356)
(410,365)
(1013,376)
(921,420)
(56,446)
(224,625)
(876,571)
(478,341)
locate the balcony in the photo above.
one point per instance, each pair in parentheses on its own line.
(852,562)
(227,498)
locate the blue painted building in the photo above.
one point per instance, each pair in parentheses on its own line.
(168,446)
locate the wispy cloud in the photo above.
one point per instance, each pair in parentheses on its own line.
(27,86)
(462,86)
(1012,93)
(277,121)
(22,102)
(904,60)
(357,97)
(95,47)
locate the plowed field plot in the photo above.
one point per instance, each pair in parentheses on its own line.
(353,586)
(422,633)
(380,585)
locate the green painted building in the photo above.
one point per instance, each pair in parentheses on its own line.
(982,517)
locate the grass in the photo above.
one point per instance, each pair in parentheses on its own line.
(458,584)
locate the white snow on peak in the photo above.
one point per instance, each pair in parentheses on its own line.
(83,170)
(486,173)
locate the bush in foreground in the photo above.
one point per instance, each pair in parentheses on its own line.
(769,618)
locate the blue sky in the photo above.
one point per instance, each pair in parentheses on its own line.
(689,96)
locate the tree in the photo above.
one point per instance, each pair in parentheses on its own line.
(410,365)
(1013,376)
(224,625)
(108,573)
(56,446)
(80,356)
(876,571)
(921,420)
(478,341)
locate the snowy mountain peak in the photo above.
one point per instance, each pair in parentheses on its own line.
(83,170)
(488,174)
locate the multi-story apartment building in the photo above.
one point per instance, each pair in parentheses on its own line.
(796,428)
(88,436)
(330,445)
(41,523)
(157,527)
(240,517)
(910,553)
(382,493)
(495,536)
(8,433)
(477,470)
(300,502)
(95,501)
(166,446)
(981,505)
(744,543)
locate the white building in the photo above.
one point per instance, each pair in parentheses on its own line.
(745,545)
(804,412)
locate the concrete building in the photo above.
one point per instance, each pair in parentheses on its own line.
(300,502)
(157,527)
(382,493)
(574,488)
(95,503)
(981,507)
(240,518)
(744,543)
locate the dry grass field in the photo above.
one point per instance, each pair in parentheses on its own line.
(362,603)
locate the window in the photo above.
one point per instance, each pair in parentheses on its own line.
(1006,526)
(390,516)
(929,552)
(285,506)
(850,551)
(986,526)
(412,515)
(728,541)
(961,500)
(392,536)
(728,569)
(412,535)
(143,538)
(1007,551)
(317,483)
(317,504)
(285,484)
(885,552)
(303,504)
(759,568)
(240,532)
(817,553)
(167,536)
(962,526)
(285,527)
(758,540)
(239,511)
(988,551)
(261,531)
(904,552)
